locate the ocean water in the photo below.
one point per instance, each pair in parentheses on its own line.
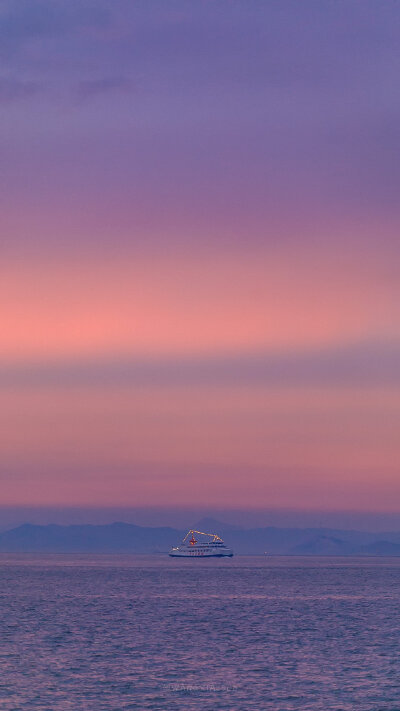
(134,632)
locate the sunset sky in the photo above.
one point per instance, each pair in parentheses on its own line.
(200,253)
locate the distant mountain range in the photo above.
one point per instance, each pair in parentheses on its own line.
(128,538)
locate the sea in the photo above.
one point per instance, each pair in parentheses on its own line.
(93,633)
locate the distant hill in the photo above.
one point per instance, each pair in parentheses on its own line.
(324,545)
(211,525)
(382,548)
(129,538)
(110,538)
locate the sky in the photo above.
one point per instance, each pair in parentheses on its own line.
(199,254)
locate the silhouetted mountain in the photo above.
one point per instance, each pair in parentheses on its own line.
(211,525)
(110,538)
(382,548)
(323,545)
(128,538)
(298,541)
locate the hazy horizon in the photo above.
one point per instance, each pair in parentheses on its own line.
(185,518)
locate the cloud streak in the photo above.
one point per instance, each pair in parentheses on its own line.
(199,229)
(25,21)
(265,113)
(13,90)
(371,364)
(92,88)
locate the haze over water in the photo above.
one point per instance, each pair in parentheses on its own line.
(153,633)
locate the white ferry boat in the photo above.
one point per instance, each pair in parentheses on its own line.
(209,545)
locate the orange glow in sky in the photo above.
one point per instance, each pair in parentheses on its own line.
(199,255)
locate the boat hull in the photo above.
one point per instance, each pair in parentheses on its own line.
(200,554)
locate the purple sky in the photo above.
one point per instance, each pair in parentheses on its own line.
(199,272)
(223,115)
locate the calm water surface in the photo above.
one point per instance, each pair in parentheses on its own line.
(124,632)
